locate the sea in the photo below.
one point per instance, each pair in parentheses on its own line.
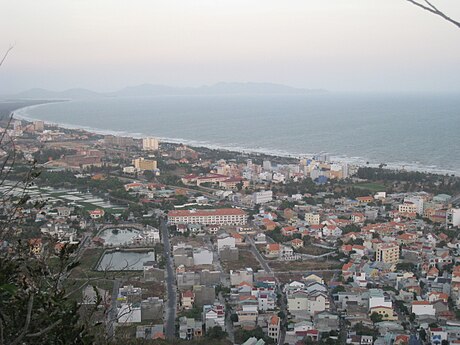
(418,132)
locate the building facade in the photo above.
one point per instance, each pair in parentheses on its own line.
(150,144)
(387,253)
(223,216)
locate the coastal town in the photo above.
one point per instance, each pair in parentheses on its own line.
(171,244)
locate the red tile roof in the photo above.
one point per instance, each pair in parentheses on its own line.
(273,246)
(274,320)
(420,303)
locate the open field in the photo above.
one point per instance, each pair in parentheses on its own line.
(286,266)
(193,241)
(246,259)
(149,289)
(313,250)
(289,277)
(372,186)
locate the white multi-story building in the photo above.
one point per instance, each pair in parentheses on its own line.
(150,144)
(312,218)
(453,217)
(417,201)
(214,315)
(266,301)
(310,302)
(267,165)
(377,298)
(262,197)
(223,216)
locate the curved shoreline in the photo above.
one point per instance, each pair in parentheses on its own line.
(357,161)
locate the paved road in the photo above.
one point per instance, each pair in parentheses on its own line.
(259,257)
(171,307)
(455,199)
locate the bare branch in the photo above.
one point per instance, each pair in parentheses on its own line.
(45,330)
(6,54)
(431,8)
(431,5)
(27,323)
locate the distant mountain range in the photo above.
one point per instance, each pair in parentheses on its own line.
(147,90)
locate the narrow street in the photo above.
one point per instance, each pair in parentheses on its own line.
(282,300)
(171,307)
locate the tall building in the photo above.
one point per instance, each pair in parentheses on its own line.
(142,164)
(267,165)
(387,253)
(453,217)
(274,328)
(417,202)
(408,207)
(150,144)
(39,126)
(312,218)
(113,140)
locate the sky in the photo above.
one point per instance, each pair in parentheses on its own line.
(338,45)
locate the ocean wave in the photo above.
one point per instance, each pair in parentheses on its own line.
(23,113)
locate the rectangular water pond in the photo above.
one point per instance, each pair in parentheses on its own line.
(125,260)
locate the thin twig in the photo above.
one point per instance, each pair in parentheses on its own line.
(6,54)
(431,8)
(45,330)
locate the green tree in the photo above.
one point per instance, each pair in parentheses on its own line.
(216,333)
(376,317)
(234,317)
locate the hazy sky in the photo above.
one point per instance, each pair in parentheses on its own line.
(343,45)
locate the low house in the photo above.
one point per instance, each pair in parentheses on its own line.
(387,313)
(187,299)
(273,249)
(358,218)
(214,315)
(260,238)
(297,243)
(190,328)
(289,231)
(97,214)
(36,246)
(268,224)
(331,231)
(420,308)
